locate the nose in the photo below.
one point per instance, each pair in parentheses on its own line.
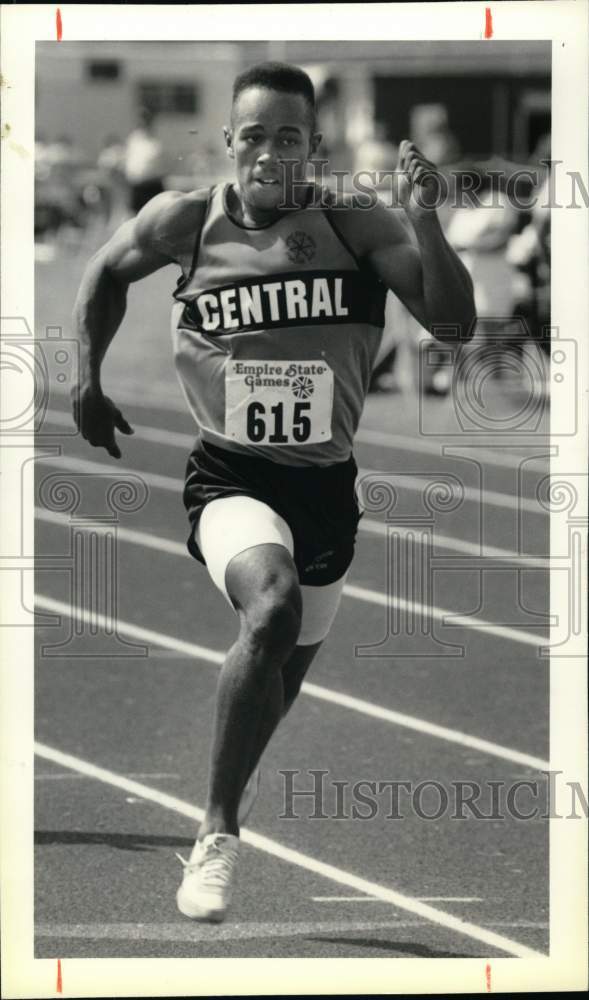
(267,156)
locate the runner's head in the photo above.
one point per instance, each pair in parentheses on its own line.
(272,121)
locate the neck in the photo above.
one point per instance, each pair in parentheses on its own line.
(253,215)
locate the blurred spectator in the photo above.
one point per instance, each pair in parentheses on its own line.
(64,154)
(111,165)
(541,152)
(58,197)
(480,234)
(483,227)
(431,133)
(508,255)
(111,157)
(144,163)
(529,253)
(328,106)
(376,154)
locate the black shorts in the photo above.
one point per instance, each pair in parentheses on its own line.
(317,502)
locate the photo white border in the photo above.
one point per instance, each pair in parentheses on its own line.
(566,24)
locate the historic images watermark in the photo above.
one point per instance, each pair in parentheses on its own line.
(313,794)
(477,186)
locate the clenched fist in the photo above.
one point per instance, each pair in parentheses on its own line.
(418,183)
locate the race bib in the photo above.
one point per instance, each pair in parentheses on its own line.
(278,402)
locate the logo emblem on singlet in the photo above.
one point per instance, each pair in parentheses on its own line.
(301,247)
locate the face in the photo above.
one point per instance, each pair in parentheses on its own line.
(268,128)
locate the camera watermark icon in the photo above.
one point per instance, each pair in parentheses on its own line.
(503,383)
(34,371)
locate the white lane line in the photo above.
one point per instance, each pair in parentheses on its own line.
(365,435)
(373,899)
(486,497)
(422,726)
(297,858)
(404,442)
(371,527)
(154,479)
(449,618)
(451,899)
(191,650)
(412,483)
(82,777)
(366,525)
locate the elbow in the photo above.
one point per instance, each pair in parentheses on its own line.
(457,329)
(469,323)
(469,320)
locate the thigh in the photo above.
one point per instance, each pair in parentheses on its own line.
(233,525)
(320,606)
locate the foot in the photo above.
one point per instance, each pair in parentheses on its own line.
(206,889)
(249,796)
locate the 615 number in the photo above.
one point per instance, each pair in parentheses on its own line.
(258,422)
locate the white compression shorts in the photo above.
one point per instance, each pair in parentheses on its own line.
(231,525)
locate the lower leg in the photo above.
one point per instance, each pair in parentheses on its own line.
(250,693)
(245,700)
(292,675)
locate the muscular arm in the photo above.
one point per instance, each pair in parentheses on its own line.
(430,279)
(102,297)
(140,246)
(424,271)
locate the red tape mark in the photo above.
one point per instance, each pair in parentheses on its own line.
(488,977)
(59,986)
(488,23)
(58,25)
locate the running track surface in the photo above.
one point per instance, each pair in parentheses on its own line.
(123,739)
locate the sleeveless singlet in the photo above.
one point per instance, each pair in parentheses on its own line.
(275,333)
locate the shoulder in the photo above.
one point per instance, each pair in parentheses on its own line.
(171,219)
(366,222)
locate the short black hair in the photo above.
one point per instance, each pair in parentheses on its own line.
(277,76)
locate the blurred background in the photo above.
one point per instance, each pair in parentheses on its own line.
(118,122)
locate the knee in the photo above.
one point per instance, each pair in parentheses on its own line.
(272,621)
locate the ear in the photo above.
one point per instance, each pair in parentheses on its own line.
(315,142)
(228,133)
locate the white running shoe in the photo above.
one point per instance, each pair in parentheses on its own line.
(249,796)
(206,887)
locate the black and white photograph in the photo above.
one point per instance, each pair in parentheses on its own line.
(293,445)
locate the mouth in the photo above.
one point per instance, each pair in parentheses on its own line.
(267,181)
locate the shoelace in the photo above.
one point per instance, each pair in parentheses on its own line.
(214,868)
